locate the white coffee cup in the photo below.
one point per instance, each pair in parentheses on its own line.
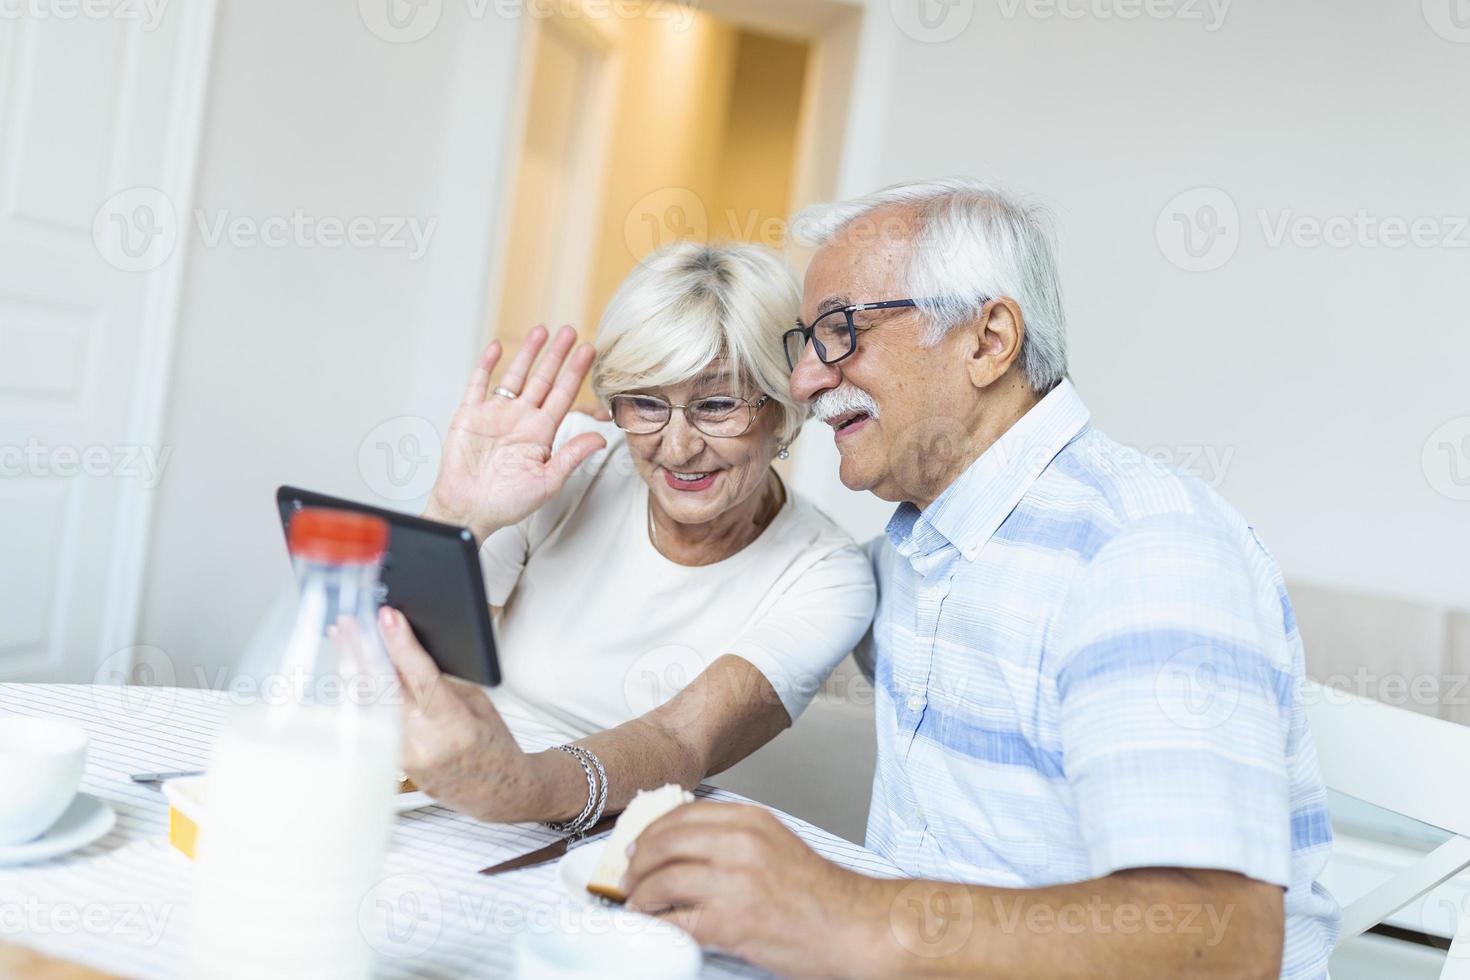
(41,763)
(608,943)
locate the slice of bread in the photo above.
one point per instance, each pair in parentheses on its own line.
(647,806)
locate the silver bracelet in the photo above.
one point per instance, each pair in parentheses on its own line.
(564,826)
(596,794)
(586,756)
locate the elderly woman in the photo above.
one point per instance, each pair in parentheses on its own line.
(667,605)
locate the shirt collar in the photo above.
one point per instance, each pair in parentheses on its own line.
(971,508)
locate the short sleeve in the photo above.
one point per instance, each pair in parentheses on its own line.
(503,555)
(1174,705)
(806,630)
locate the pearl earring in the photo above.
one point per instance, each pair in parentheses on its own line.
(785,453)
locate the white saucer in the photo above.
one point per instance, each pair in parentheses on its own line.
(575,869)
(85,820)
(404,802)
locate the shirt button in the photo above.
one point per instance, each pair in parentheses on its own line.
(915,702)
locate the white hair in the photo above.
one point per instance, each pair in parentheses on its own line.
(689,304)
(972,242)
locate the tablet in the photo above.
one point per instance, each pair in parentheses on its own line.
(431,574)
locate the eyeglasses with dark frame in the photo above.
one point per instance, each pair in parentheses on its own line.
(721,416)
(836,338)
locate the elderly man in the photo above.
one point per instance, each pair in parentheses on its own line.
(1093,759)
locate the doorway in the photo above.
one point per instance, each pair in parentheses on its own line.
(711,124)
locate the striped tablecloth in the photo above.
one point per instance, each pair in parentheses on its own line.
(122,903)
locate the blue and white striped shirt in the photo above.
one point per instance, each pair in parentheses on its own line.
(1086,662)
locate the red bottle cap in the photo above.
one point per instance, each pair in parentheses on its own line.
(337,536)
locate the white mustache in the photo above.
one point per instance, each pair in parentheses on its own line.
(841,400)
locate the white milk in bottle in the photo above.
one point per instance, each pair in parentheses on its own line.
(299,794)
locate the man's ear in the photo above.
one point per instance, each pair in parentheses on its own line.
(993,341)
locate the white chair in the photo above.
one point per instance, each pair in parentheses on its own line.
(1409,764)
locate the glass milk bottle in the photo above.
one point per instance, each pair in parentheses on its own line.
(299,793)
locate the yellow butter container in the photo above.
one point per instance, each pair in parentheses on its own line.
(185,813)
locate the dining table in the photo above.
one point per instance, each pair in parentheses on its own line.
(121,905)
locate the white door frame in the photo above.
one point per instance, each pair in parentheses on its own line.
(122,600)
(595,37)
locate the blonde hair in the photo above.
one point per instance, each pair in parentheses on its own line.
(688,304)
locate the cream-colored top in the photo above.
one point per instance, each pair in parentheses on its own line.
(599,627)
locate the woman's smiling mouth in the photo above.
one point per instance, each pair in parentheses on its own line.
(689,480)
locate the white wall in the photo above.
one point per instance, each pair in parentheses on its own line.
(288,358)
(1317,374)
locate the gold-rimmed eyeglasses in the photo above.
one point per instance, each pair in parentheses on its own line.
(721,416)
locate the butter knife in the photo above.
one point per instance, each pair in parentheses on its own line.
(551,851)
